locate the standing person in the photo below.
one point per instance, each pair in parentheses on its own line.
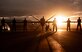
(47,27)
(14,25)
(2,24)
(42,22)
(68,24)
(54,24)
(79,23)
(25,25)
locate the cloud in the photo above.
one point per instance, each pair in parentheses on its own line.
(37,7)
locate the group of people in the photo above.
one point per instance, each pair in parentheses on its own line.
(78,24)
(42,22)
(13,28)
(68,24)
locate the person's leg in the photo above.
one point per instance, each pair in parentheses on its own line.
(4,28)
(53,27)
(15,28)
(77,27)
(80,27)
(67,27)
(56,28)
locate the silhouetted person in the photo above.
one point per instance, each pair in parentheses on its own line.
(47,27)
(79,23)
(2,24)
(14,25)
(68,24)
(25,25)
(42,22)
(54,24)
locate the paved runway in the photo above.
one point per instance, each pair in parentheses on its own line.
(66,41)
(61,41)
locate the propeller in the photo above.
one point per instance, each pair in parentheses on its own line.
(35,18)
(50,18)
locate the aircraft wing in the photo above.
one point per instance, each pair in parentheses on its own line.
(33,22)
(23,22)
(39,22)
(49,21)
(70,22)
(63,22)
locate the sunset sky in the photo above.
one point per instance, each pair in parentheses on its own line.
(40,7)
(47,8)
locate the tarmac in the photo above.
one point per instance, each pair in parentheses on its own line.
(61,41)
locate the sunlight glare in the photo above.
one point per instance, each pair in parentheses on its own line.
(60,19)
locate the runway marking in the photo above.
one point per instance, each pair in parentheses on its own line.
(56,47)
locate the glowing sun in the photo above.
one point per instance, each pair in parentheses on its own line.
(60,19)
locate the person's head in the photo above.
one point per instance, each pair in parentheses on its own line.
(25,19)
(79,17)
(68,18)
(54,18)
(14,18)
(43,17)
(3,18)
